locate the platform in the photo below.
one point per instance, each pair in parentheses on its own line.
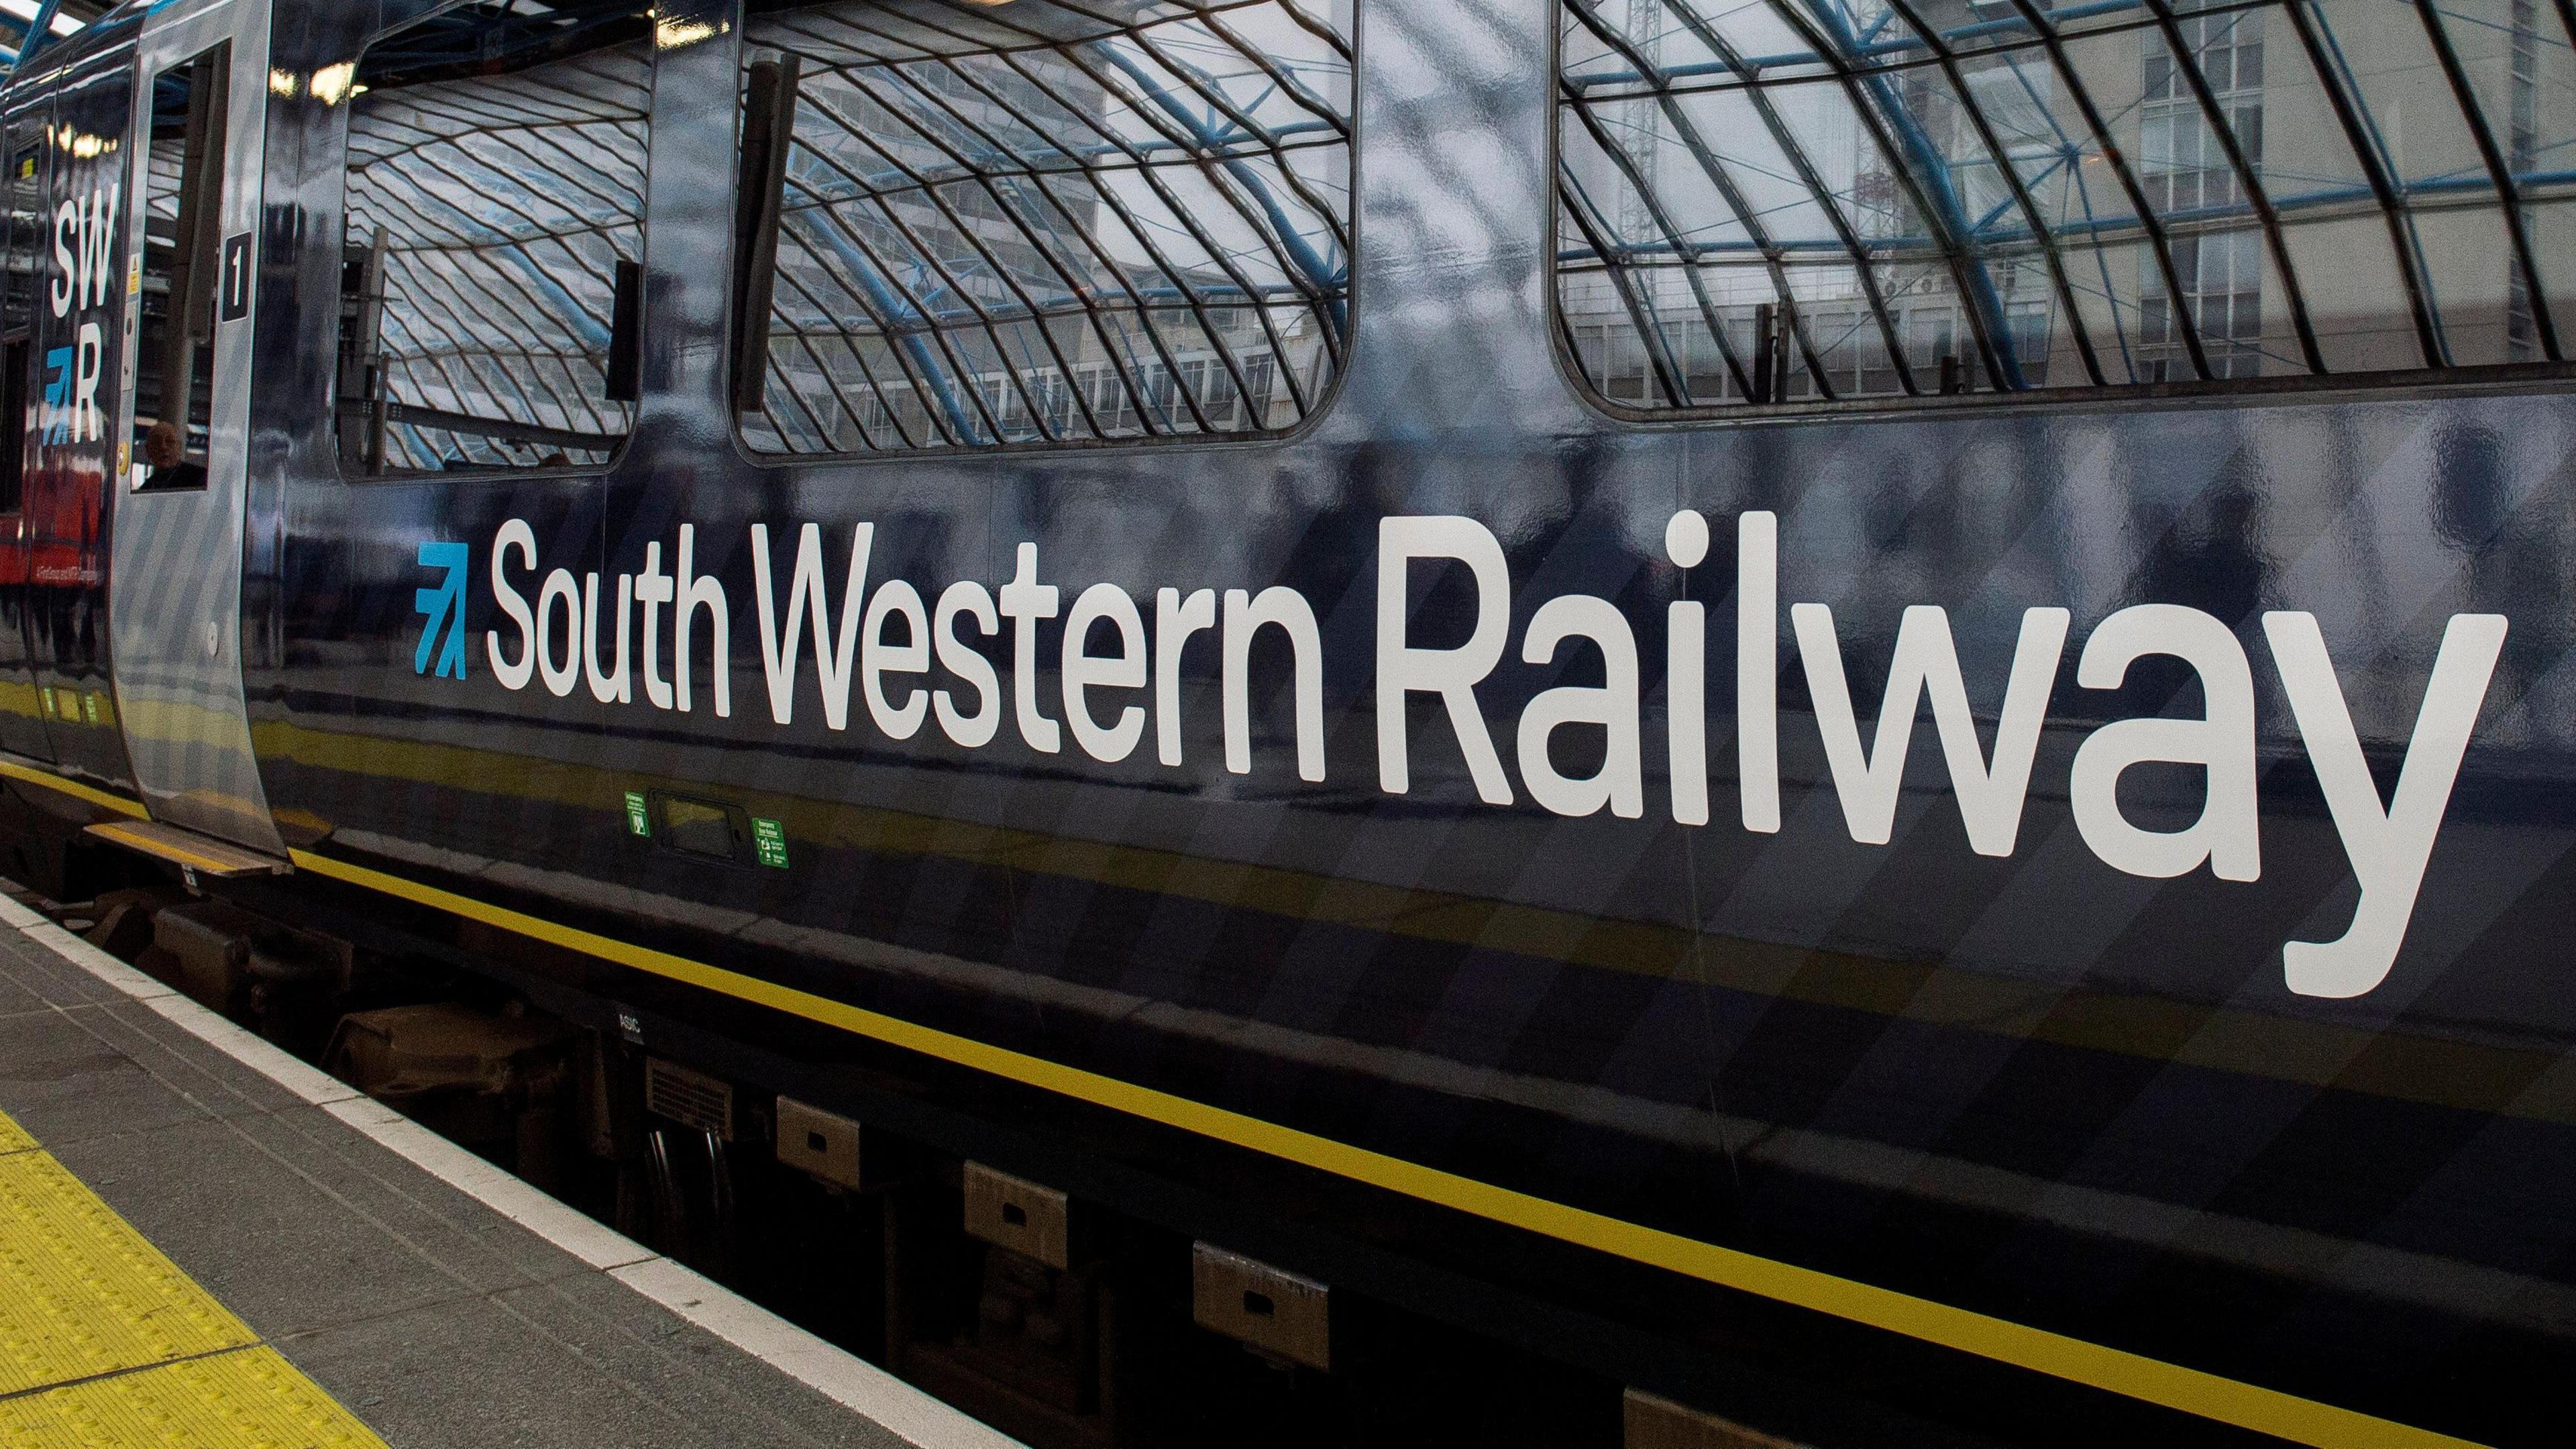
(204,1242)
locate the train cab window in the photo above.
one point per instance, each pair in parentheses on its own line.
(968,227)
(1781,205)
(182,226)
(495,202)
(22,151)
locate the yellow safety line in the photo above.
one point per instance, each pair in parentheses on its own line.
(118,803)
(106,1344)
(2229,1401)
(2510,1081)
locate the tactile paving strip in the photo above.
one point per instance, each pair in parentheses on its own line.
(87,1294)
(248,1399)
(104,1342)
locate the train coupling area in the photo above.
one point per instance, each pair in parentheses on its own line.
(206,1243)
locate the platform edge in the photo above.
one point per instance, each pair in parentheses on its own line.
(827,1369)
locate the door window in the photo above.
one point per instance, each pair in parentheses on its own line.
(182,256)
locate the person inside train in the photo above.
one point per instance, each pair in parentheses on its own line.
(167,453)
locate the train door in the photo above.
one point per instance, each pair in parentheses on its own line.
(64,506)
(22,289)
(184,446)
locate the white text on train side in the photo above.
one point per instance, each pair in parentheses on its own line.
(557,639)
(84,233)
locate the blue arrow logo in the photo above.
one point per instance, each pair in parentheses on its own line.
(58,396)
(442,605)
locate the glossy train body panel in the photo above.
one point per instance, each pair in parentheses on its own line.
(2019,1072)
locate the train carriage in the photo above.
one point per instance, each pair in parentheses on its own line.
(1829,719)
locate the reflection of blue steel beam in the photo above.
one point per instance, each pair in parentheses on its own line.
(40,31)
(886,183)
(1934,168)
(1318,271)
(1065,304)
(568,309)
(1902,46)
(2458,190)
(1056,301)
(1009,163)
(891,304)
(921,321)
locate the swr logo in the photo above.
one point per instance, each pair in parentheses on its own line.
(443,610)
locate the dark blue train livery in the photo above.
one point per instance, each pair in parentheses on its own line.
(1604,719)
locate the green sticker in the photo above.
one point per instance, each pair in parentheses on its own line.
(89,707)
(769,842)
(637,818)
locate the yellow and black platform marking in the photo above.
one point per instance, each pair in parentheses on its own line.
(104,1342)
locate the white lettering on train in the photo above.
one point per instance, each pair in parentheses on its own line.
(514,674)
(2388,848)
(1247,614)
(84,271)
(808,597)
(1926,661)
(84,250)
(1114,679)
(88,424)
(881,655)
(2221,743)
(693,592)
(1404,669)
(1024,602)
(1757,669)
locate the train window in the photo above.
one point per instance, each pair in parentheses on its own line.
(174,364)
(28,229)
(496,161)
(23,154)
(1042,224)
(1782,203)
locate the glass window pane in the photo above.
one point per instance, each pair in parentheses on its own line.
(28,222)
(491,200)
(1062,229)
(2472,280)
(2551,224)
(2356,294)
(2155,200)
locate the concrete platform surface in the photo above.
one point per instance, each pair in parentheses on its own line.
(431,1297)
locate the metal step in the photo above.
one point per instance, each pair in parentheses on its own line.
(203,854)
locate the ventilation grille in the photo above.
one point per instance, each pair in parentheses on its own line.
(692,1099)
